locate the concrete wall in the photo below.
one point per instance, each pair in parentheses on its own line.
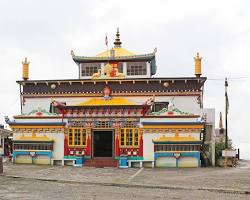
(210,132)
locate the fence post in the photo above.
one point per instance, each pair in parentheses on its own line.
(1,164)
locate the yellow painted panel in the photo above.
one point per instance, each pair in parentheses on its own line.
(36,126)
(23,159)
(191,126)
(188,162)
(41,160)
(165,162)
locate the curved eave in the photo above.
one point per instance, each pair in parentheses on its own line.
(172,123)
(37,117)
(171,116)
(104,106)
(36,123)
(178,142)
(33,141)
(84,59)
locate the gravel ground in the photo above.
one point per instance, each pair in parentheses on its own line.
(29,189)
(55,182)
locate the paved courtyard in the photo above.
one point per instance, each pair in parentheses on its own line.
(55,182)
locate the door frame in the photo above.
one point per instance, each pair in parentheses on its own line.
(92,141)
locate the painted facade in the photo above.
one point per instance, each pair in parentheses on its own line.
(116,108)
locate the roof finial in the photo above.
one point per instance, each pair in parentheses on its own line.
(197,65)
(117,42)
(25,69)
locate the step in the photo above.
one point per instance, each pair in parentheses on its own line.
(101,163)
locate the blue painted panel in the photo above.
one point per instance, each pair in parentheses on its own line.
(48,153)
(194,154)
(123,162)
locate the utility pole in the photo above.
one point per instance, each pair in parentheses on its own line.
(226,112)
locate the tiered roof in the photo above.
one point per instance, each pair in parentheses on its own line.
(117,54)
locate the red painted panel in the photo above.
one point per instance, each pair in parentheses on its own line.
(117,145)
(66,147)
(140,153)
(88,148)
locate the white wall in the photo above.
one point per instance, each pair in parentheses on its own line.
(184,103)
(148,145)
(58,138)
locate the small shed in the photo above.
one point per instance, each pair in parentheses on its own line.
(5,141)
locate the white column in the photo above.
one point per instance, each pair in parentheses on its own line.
(148,70)
(125,69)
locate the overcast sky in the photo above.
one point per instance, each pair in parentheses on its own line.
(45,31)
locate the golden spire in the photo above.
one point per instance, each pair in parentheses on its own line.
(197,65)
(117,42)
(25,69)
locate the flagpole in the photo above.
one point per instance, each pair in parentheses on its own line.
(226,111)
(107,45)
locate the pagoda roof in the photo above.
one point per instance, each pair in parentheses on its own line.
(120,55)
(106,102)
(118,52)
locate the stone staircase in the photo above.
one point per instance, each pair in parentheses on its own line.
(101,162)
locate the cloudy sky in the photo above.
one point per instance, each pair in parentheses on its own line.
(45,31)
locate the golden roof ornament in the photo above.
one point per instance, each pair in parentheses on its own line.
(117,42)
(25,69)
(197,65)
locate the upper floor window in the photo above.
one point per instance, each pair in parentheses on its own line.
(120,68)
(88,69)
(136,68)
(157,106)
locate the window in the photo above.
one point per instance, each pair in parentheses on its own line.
(88,69)
(129,137)
(136,68)
(77,136)
(136,136)
(103,124)
(158,106)
(70,133)
(120,68)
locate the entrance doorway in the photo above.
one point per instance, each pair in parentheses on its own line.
(103,143)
